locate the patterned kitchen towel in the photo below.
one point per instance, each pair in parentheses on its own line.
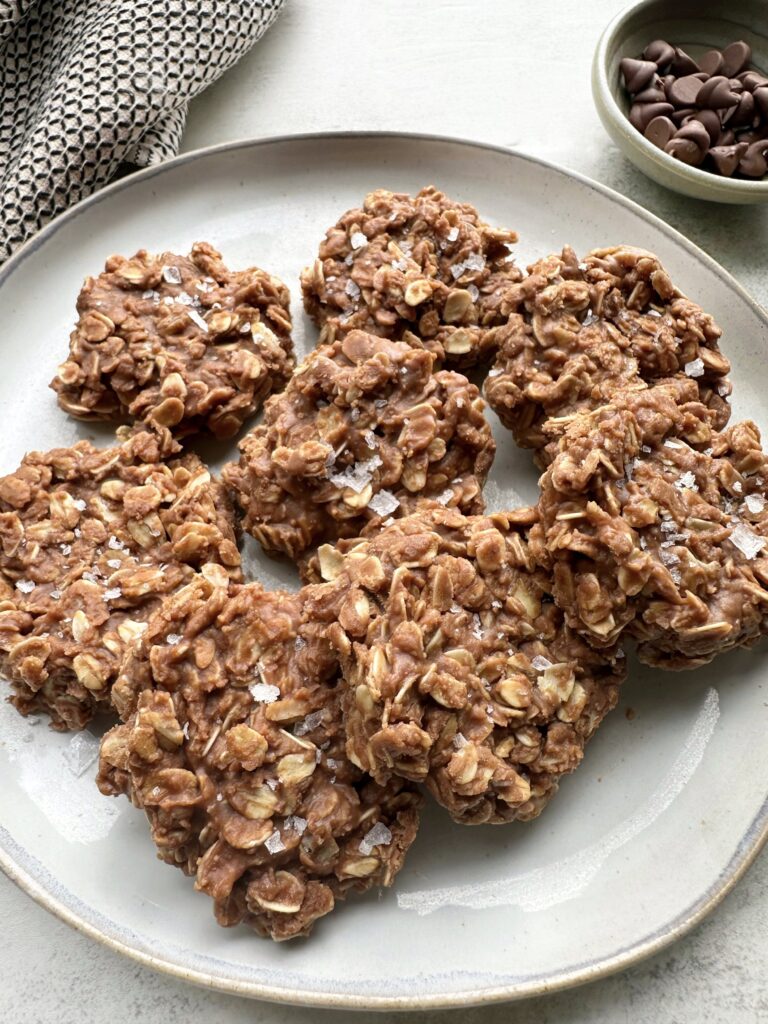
(87,85)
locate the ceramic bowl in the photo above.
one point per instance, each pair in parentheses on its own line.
(697,26)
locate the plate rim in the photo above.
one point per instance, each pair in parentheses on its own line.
(752,841)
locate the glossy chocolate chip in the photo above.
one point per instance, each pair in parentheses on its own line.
(712,62)
(684,91)
(736,56)
(659,131)
(637,73)
(745,111)
(761,100)
(726,138)
(652,93)
(696,132)
(641,114)
(753,164)
(716,94)
(710,120)
(752,80)
(726,158)
(681,116)
(685,151)
(682,64)
(660,52)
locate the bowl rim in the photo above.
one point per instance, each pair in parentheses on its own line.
(607,106)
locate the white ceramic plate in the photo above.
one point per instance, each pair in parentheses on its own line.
(669,807)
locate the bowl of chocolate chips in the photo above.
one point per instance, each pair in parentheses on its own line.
(682,89)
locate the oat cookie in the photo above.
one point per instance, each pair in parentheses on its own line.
(234,746)
(180,342)
(363,431)
(425,269)
(459,669)
(658,525)
(586,330)
(90,541)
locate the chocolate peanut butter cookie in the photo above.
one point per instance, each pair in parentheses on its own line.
(586,330)
(90,541)
(179,342)
(658,525)
(459,670)
(234,746)
(423,269)
(364,430)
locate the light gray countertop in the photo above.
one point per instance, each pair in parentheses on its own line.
(511,72)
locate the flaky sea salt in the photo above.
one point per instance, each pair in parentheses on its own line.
(474,291)
(309,723)
(113,594)
(115,544)
(383,503)
(473,262)
(65,549)
(114,563)
(172,275)
(737,486)
(695,368)
(55,594)
(379,835)
(173,639)
(25,586)
(275,843)
(540,663)
(357,240)
(459,741)
(477,627)
(264,693)
(453,234)
(296,824)
(444,496)
(589,319)
(352,290)
(299,643)
(687,481)
(494,372)
(80,505)
(747,541)
(754,503)
(669,443)
(81,752)
(195,317)
(357,476)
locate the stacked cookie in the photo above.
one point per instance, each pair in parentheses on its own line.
(276,741)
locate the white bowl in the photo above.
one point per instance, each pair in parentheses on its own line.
(697,26)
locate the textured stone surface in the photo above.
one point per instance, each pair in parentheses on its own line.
(718,971)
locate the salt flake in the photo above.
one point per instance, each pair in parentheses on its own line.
(540,663)
(383,503)
(686,482)
(296,824)
(195,317)
(695,368)
(309,723)
(172,275)
(81,752)
(174,638)
(379,835)
(755,503)
(264,693)
(747,541)
(275,843)
(357,240)
(25,586)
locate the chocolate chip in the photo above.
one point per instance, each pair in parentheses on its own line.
(660,52)
(697,133)
(752,80)
(726,158)
(682,64)
(685,151)
(659,131)
(681,116)
(637,73)
(754,135)
(652,93)
(710,120)
(726,138)
(736,56)
(712,62)
(683,91)
(641,114)
(761,99)
(716,94)
(745,111)
(753,164)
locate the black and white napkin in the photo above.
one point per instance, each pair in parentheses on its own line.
(88,85)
